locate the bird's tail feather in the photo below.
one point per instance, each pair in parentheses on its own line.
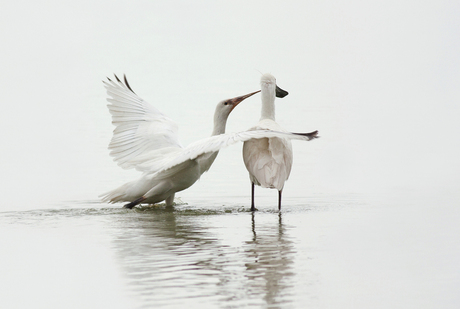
(116,195)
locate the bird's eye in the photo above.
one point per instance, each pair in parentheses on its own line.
(225,103)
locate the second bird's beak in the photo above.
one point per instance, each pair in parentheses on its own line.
(280,93)
(238,100)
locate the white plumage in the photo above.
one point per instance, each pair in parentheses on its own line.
(146,139)
(268,160)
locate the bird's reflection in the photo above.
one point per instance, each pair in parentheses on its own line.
(270,255)
(168,256)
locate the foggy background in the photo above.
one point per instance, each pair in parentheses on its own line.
(371,216)
(380,81)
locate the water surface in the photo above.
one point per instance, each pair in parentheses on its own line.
(322,252)
(217,256)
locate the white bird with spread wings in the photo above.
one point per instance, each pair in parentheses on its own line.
(146,139)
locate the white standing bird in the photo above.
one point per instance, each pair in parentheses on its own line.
(146,139)
(268,160)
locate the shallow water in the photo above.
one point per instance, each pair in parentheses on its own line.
(209,256)
(325,252)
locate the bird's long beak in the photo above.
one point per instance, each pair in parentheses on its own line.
(238,100)
(280,93)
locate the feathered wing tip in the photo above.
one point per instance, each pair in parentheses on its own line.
(124,84)
(127,84)
(310,135)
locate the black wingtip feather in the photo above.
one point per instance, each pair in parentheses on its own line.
(310,135)
(127,84)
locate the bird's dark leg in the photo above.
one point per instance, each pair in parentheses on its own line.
(253,207)
(279,199)
(134,203)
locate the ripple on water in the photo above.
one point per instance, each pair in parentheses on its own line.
(223,256)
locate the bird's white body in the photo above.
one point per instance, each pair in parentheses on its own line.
(159,188)
(146,139)
(268,160)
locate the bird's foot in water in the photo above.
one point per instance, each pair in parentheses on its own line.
(134,203)
(170,208)
(129,205)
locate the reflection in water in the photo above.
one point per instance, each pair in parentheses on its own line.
(162,255)
(270,254)
(177,257)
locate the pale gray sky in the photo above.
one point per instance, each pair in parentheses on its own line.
(379,79)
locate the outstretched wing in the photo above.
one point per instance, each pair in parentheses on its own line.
(217,142)
(143,138)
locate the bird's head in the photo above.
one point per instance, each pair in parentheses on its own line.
(226,106)
(268,82)
(223,110)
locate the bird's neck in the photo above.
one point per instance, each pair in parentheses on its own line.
(219,124)
(268,106)
(205,160)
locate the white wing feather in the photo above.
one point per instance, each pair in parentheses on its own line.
(143,137)
(217,142)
